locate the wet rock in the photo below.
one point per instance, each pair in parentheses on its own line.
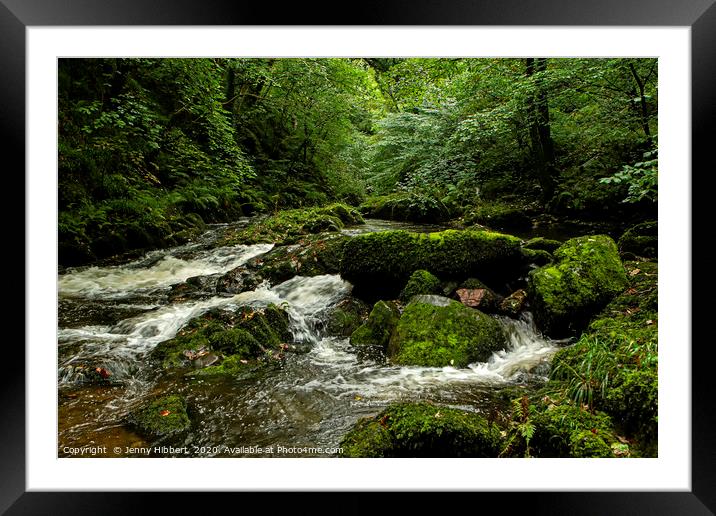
(346,317)
(586,275)
(160,417)
(438,336)
(240,279)
(371,338)
(514,303)
(248,334)
(422,430)
(475,294)
(311,255)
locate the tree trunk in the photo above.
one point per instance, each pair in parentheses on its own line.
(642,102)
(540,132)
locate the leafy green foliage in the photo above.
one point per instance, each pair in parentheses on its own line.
(641,177)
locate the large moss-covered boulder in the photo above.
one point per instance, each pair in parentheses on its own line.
(640,240)
(586,275)
(380,264)
(434,331)
(372,337)
(422,430)
(161,417)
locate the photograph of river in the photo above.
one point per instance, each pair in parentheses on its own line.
(364,257)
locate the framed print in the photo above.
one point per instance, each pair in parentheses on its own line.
(253,246)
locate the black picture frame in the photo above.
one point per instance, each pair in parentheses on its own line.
(699,15)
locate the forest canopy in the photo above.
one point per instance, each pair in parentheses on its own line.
(152,149)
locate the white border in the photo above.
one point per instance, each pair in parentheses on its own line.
(671,471)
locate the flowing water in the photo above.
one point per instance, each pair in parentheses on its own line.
(113,316)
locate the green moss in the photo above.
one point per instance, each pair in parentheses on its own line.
(405,207)
(379,264)
(640,240)
(247,334)
(537,256)
(617,359)
(437,336)
(561,431)
(586,276)
(498,216)
(345,318)
(420,282)
(161,416)
(235,341)
(633,403)
(371,338)
(286,226)
(233,365)
(422,430)
(542,244)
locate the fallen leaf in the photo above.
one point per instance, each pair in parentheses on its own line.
(649,322)
(102,372)
(244,361)
(358,397)
(164,412)
(438,414)
(634,272)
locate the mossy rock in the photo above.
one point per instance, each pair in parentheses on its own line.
(405,207)
(289,225)
(566,430)
(347,316)
(371,338)
(161,417)
(633,402)
(247,334)
(436,336)
(499,216)
(587,274)
(420,282)
(422,430)
(380,264)
(542,244)
(537,256)
(640,240)
(310,255)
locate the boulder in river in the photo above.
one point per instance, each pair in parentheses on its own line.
(371,338)
(245,336)
(347,316)
(311,255)
(380,264)
(422,430)
(161,417)
(434,331)
(586,275)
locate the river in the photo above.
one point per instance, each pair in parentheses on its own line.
(112,316)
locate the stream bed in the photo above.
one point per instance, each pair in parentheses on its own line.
(113,316)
